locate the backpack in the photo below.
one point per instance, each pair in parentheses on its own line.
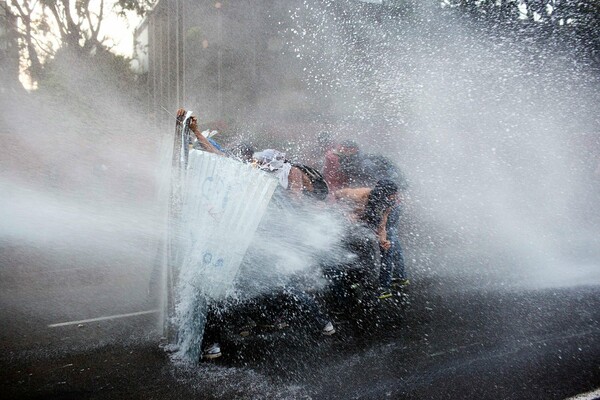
(320,188)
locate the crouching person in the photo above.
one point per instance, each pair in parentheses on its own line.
(371,208)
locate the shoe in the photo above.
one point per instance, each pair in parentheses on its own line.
(328,329)
(400,283)
(384,294)
(211,352)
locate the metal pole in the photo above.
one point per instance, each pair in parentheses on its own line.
(178,168)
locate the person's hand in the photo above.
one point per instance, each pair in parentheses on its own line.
(180,115)
(194,124)
(385,244)
(193,120)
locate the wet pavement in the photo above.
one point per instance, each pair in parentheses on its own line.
(447,342)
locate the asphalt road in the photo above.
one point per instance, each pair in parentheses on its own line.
(448,342)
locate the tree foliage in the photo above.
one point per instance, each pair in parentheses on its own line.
(45,26)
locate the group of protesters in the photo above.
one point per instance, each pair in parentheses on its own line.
(369,188)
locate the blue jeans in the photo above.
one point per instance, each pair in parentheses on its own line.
(392,260)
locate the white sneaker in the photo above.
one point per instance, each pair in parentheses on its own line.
(212,351)
(328,329)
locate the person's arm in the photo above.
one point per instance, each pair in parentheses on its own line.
(340,194)
(295,181)
(204,142)
(358,196)
(206,145)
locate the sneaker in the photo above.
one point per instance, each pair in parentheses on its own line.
(328,329)
(212,351)
(399,283)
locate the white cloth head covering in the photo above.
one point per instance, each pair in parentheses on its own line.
(270,159)
(274,161)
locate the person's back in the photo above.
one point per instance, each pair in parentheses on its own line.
(371,206)
(354,200)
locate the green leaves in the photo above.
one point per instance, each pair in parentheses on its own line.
(141,7)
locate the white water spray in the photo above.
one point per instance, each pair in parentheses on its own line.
(496,137)
(223,255)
